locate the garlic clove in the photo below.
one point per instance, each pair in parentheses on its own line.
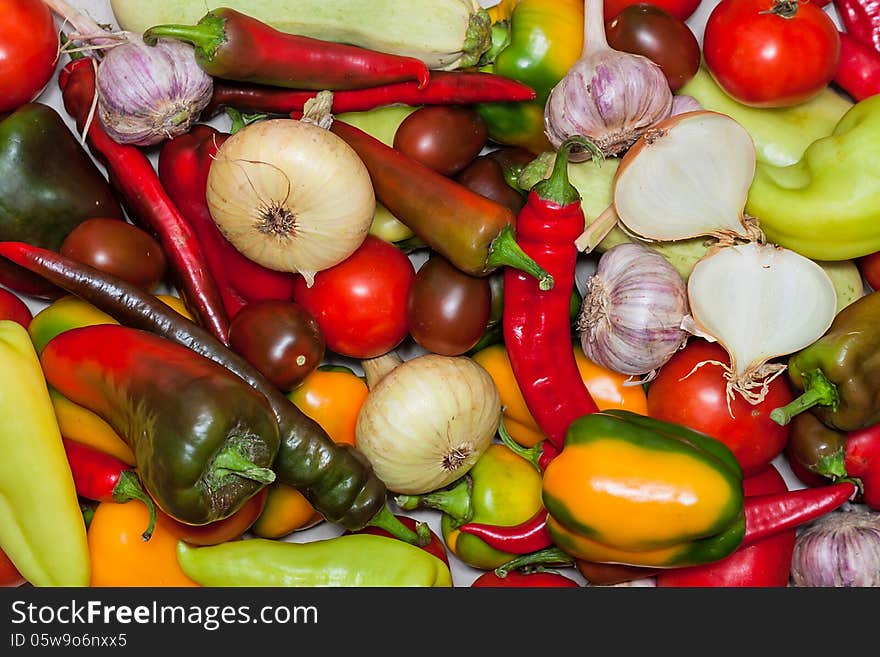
(759,301)
(687,176)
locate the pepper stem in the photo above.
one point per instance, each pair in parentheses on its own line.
(240,120)
(530,454)
(506,252)
(454,502)
(231,461)
(557,188)
(386,520)
(206,35)
(129,488)
(818,391)
(547,556)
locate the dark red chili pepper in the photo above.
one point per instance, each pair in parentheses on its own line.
(444,88)
(235,46)
(858,72)
(861,20)
(184,163)
(132,174)
(536,322)
(473,232)
(104,478)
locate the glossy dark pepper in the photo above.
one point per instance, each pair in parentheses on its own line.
(48,186)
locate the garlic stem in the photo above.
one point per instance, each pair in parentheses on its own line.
(594,30)
(86,28)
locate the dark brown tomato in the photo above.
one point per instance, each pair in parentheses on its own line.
(445,138)
(648,30)
(447,310)
(485,176)
(119,248)
(280,338)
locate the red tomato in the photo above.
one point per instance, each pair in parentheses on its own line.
(869,265)
(360,304)
(12,307)
(681,9)
(517,579)
(771,53)
(28,50)
(698,400)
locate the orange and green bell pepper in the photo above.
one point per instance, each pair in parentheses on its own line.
(539,42)
(42,530)
(608,389)
(632,490)
(501,489)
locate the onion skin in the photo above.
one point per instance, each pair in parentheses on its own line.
(630,320)
(840,549)
(147,94)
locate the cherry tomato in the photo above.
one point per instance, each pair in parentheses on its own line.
(697,399)
(517,579)
(771,53)
(332,396)
(28,51)
(447,310)
(435,546)
(119,248)
(485,176)
(360,303)
(280,338)
(12,307)
(869,265)
(652,32)
(443,137)
(9,575)
(681,9)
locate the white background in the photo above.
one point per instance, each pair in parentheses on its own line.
(462,574)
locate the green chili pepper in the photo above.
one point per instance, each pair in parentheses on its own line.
(349,560)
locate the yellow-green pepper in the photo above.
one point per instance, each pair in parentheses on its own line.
(826,206)
(542,40)
(633,490)
(42,530)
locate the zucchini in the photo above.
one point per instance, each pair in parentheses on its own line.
(445,34)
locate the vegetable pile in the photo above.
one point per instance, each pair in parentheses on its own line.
(548,294)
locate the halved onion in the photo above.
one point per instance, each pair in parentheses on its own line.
(688,176)
(759,301)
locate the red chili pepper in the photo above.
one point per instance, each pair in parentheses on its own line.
(536,322)
(133,176)
(184,163)
(526,537)
(235,46)
(444,88)
(858,72)
(104,478)
(472,231)
(861,20)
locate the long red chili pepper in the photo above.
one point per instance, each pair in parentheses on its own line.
(766,515)
(472,231)
(536,322)
(184,164)
(133,176)
(235,46)
(861,20)
(103,478)
(444,88)
(858,72)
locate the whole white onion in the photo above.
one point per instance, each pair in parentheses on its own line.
(630,318)
(147,94)
(840,549)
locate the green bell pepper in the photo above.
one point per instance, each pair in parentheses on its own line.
(826,206)
(632,490)
(48,186)
(348,560)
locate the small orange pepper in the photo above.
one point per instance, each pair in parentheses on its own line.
(121,558)
(286,511)
(609,390)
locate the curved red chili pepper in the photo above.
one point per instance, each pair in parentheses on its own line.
(526,537)
(861,20)
(444,88)
(858,72)
(133,176)
(536,322)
